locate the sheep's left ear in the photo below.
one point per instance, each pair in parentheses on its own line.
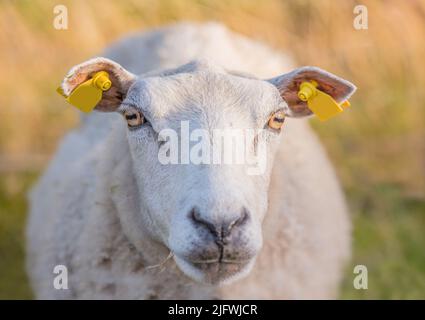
(120,78)
(289,84)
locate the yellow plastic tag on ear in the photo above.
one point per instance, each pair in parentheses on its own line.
(88,94)
(320,103)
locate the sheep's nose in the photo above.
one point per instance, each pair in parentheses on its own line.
(220,230)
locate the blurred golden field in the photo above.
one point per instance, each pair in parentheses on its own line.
(377,146)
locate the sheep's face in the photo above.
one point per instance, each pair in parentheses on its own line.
(209,204)
(202,143)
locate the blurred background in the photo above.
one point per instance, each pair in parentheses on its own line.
(377,146)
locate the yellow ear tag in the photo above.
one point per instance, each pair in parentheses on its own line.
(322,104)
(88,94)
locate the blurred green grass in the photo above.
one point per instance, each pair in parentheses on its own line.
(377,145)
(13,206)
(389,239)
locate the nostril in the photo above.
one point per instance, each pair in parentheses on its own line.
(197,218)
(238,222)
(195,215)
(242,219)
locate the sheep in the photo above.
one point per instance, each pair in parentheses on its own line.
(128,227)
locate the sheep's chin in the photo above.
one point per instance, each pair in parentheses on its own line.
(214,273)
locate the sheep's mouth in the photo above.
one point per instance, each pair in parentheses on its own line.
(215,271)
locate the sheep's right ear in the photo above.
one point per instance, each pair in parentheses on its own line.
(112,98)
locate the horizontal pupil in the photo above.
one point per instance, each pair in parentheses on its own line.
(131,117)
(281,120)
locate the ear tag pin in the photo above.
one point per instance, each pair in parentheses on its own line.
(88,94)
(322,104)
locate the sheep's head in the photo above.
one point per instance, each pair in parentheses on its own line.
(202,203)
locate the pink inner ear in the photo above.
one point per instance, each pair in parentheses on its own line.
(76,80)
(288,85)
(81,73)
(289,93)
(335,87)
(120,78)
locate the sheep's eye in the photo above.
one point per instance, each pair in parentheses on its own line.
(276,120)
(134,118)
